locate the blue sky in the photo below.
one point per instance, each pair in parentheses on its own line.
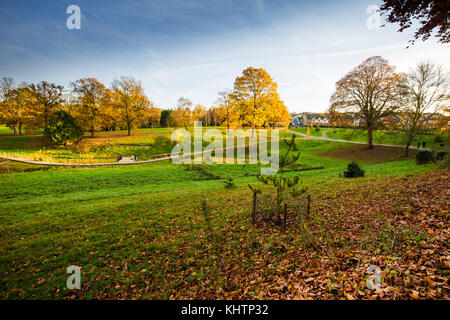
(196,48)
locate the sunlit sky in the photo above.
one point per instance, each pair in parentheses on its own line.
(196,48)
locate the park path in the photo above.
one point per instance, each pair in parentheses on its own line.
(82,164)
(323,137)
(106,163)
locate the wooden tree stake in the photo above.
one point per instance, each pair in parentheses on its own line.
(254,209)
(285,216)
(308,211)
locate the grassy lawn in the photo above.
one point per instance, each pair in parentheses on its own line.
(313,132)
(383,137)
(4,130)
(104,147)
(138,231)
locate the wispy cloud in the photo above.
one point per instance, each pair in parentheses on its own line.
(197,48)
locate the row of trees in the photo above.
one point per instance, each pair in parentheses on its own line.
(254,102)
(374,93)
(94,106)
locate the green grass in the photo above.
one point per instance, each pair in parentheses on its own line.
(135,225)
(313,132)
(4,130)
(383,137)
(104,147)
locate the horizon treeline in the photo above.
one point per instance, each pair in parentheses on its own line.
(254,102)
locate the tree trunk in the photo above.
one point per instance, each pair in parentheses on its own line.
(408,144)
(369,137)
(228,121)
(92,131)
(407,150)
(129,128)
(15,130)
(20,129)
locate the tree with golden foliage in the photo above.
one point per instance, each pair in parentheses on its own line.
(225,105)
(219,116)
(369,91)
(152,117)
(182,115)
(92,97)
(11,110)
(255,100)
(46,99)
(109,117)
(199,113)
(131,101)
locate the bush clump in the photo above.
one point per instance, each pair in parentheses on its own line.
(229,183)
(438,138)
(62,128)
(354,170)
(440,155)
(424,156)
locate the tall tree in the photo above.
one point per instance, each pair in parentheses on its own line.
(131,101)
(47,98)
(199,113)
(22,111)
(92,96)
(15,105)
(182,116)
(256,101)
(425,94)
(225,103)
(152,117)
(431,14)
(7,104)
(369,91)
(164,120)
(109,118)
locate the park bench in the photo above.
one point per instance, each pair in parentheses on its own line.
(122,159)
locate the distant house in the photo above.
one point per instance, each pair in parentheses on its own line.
(305,119)
(296,120)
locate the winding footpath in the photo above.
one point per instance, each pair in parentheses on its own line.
(323,137)
(107,163)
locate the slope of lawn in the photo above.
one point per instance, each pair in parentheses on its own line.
(139,232)
(146,144)
(384,137)
(313,131)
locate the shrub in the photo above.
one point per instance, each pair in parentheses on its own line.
(354,170)
(440,155)
(229,183)
(61,128)
(438,138)
(445,162)
(163,141)
(424,156)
